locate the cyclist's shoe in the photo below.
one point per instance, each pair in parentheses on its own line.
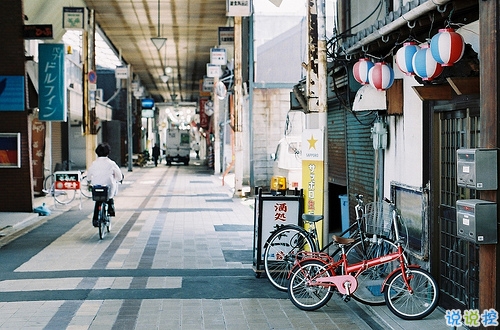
(95,222)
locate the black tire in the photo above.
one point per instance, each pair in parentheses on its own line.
(412,305)
(102,221)
(370,281)
(280,251)
(309,297)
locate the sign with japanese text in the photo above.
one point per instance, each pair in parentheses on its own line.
(313,172)
(67,180)
(238,7)
(52,90)
(278,212)
(213,70)
(218,56)
(38,31)
(226,35)
(73,18)
(12,93)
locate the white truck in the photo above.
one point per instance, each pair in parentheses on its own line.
(178,146)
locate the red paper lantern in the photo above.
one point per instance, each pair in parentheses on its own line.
(447,47)
(424,65)
(361,69)
(381,76)
(404,57)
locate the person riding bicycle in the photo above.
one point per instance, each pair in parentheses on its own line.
(104,172)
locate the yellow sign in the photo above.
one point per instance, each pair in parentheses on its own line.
(313,173)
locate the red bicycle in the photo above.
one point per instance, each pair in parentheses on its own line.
(410,292)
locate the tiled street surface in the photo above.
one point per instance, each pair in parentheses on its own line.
(179,256)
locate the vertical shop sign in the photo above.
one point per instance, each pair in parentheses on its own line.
(312,172)
(52,91)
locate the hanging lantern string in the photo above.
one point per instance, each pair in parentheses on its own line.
(431,26)
(448,20)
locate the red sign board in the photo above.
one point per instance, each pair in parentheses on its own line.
(67,180)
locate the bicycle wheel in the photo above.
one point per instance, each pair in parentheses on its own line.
(280,251)
(85,187)
(102,221)
(370,281)
(64,196)
(47,184)
(305,296)
(418,303)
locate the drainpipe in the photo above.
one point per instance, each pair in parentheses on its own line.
(412,15)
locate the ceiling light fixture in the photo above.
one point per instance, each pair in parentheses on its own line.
(159,41)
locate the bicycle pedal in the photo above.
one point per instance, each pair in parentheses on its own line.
(346,298)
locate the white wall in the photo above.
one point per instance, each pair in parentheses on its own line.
(403,157)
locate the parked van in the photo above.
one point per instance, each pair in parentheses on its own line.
(178,146)
(288,161)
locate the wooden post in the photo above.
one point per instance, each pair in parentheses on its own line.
(489,83)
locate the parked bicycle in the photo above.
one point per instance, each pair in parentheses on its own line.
(282,247)
(100,196)
(410,292)
(65,196)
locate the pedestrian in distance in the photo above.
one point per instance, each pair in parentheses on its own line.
(104,172)
(156,153)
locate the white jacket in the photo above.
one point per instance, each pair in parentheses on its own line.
(105,172)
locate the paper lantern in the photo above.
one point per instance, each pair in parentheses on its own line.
(404,57)
(361,69)
(381,76)
(447,47)
(424,65)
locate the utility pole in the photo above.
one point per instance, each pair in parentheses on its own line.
(315,169)
(238,106)
(89,117)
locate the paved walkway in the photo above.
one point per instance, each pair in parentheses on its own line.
(179,256)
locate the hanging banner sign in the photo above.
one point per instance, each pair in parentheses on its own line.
(73,18)
(52,90)
(238,7)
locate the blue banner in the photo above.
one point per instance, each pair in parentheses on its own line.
(52,89)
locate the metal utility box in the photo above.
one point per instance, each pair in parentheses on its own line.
(477,169)
(477,221)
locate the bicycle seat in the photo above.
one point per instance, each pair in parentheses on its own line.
(343,240)
(312,217)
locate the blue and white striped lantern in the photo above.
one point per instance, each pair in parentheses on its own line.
(447,47)
(404,57)
(424,65)
(381,76)
(360,70)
